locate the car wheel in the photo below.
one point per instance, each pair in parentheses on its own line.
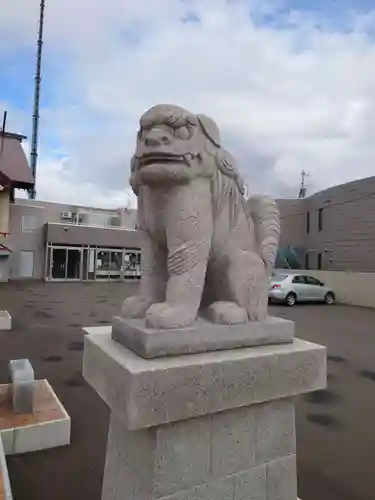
(329,299)
(290,299)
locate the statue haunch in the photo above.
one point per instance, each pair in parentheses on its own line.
(204,247)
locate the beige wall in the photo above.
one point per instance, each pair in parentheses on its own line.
(4,211)
(348,226)
(356,289)
(4,269)
(293,222)
(346,239)
(31,240)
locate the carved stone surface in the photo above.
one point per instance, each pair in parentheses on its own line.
(204,247)
(217,425)
(202,336)
(149,392)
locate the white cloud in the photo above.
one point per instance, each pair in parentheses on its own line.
(287,96)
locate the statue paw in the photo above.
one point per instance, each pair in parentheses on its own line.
(166,316)
(226,313)
(135,307)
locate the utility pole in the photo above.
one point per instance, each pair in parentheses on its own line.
(34,139)
(2,132)
(302,191)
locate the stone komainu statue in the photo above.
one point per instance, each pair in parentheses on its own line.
(204,247)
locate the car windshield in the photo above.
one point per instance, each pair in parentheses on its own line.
(279,277)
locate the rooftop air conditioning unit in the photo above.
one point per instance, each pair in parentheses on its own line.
(66,215)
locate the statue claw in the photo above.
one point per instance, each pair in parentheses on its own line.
(166,316)
(135,307)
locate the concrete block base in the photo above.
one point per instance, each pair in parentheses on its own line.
(202,336)
(47,427)
(217,425)
(5,489)
(5,320)
(229,455)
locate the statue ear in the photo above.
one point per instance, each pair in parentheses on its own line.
(210,129)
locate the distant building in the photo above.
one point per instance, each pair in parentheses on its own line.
(54,241)
(14,174)
(333,229)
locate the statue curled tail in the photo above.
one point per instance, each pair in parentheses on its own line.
(266,217)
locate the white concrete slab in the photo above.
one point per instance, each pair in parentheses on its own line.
(49,427)
(7,492)
(50,430)
(5,320)
(92,330)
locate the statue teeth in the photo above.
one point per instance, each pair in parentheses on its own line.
(188,157)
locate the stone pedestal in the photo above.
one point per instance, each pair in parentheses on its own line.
(202,336)
(217,425)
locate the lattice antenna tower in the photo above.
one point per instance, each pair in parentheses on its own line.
(38,72)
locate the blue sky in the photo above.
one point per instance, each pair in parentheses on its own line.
(290,84)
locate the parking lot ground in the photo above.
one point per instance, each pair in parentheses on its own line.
(335,436)
(335,428)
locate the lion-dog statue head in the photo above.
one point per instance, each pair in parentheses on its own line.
(175,146)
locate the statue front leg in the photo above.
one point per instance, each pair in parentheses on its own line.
(243,295)
(186,269)
(153,279)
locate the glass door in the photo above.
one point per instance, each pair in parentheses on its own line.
(58,263)
(132,264)
(115,265)
(73,267)
(103,263)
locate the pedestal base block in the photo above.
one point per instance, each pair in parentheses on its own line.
(202,336)
(145,393)
(203,459)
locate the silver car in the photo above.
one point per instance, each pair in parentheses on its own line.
(292,288)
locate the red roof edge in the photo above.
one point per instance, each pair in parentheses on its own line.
(14,166)
(13,135)
(4,248)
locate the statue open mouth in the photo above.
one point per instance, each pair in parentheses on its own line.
(152,159)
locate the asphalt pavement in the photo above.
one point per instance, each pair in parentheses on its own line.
(335,427)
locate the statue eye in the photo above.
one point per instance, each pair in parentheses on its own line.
(141,134)
(182,133)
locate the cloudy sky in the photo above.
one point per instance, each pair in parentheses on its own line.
(291,84)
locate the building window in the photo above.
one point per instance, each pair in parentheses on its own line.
(320,219)
(307,222)
(28,223)
(320,260)
(99,219)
